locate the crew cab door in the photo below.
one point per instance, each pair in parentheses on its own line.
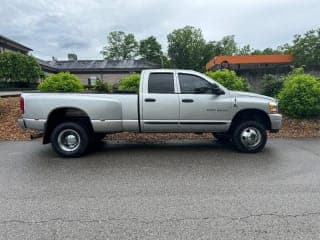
(201,109)
(159,102)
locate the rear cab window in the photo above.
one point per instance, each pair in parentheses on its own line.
(161,83)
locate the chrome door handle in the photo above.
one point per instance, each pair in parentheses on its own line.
(149,100)
(187,100)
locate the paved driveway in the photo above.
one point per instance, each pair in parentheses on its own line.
(183,190)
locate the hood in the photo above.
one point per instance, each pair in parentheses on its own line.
(255,95)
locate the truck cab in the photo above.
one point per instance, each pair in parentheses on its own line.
(183,101)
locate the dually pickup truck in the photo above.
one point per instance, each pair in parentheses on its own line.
(168,101)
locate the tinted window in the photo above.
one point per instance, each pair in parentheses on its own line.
(193,84)
(161,83)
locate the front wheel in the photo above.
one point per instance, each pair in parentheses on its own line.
(250,137)
(70,139)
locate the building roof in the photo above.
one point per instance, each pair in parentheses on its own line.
(97,65)
(13,44)
(250,59)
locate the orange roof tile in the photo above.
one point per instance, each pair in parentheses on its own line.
(250,59)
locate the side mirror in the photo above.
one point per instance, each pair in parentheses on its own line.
(216,90)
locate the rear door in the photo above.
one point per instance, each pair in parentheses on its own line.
(160,103)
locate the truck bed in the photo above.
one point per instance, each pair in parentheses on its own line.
(118,112)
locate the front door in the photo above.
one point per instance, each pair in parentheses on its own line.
(160,103)
(200,109)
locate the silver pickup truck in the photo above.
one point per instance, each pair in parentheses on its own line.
(168,101)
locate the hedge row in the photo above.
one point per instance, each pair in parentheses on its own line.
(298,92)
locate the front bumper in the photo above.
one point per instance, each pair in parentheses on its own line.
(276,121)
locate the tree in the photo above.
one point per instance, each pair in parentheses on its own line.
(245,50)
(306,48)
(120,46)
(187,48)
(228,45)
(267,51)
(166,61)
(150,50)
(210,50)
(17,68)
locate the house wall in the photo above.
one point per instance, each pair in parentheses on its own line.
(255,76)
(5,48)
(107,77)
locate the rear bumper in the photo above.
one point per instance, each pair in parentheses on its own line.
(276,122)
(37,124)
(21,123)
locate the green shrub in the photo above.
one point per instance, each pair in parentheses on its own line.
(130,82)
(300,96)
(18,70)
(61,82)
(229,79)
(88,87)
(102,87)
(272,84)
(110,87)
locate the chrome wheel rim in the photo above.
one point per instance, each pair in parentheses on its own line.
(250,137)
(69,140)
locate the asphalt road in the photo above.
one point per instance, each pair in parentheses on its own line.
(174,190)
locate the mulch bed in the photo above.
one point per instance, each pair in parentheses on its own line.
(10,112)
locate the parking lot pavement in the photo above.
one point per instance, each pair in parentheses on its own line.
(171,190)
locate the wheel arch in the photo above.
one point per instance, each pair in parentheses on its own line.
(251,115)
(63,114)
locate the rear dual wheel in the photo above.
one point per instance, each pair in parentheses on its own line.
(70,139)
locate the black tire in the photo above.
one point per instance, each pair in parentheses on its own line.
(249,137)
(222,137)
(74,132)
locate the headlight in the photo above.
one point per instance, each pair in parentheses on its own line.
(273,107)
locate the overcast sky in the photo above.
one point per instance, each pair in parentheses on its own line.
(58,27)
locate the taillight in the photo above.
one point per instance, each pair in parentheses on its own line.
(22,105)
